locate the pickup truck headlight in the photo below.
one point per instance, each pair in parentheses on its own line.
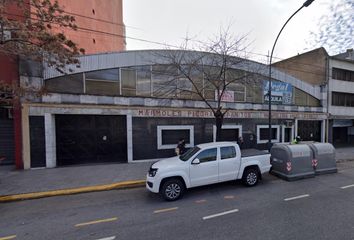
(152,172)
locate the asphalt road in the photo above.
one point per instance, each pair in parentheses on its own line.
(317,208)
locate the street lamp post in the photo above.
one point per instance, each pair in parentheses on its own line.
(306,4)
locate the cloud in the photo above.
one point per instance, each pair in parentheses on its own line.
(335,28)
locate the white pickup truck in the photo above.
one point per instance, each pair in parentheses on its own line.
(206,164)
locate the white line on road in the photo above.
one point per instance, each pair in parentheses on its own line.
(297,197)
(108,238)
(348,186)
(220,214)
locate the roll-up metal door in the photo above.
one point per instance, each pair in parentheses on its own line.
(7,144)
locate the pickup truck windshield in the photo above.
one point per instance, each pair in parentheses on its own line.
(187,155)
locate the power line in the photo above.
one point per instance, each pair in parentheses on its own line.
(99,20)
(122,36)
(92,18)
(153,42)
(82,29)
(102,32)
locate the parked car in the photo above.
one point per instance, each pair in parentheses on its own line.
(206,164)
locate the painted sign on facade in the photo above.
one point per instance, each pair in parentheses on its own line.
(175,113)
(230,114)
(282,93)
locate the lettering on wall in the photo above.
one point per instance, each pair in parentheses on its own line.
(151,112)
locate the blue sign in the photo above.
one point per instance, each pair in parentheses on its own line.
(282,93)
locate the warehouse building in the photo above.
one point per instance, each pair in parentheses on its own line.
(116,108)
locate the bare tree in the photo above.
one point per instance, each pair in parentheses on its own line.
(207,72)
(34,32)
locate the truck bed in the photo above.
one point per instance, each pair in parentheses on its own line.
(252,152)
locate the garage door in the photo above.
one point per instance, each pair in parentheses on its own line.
(7,145)
(90,139)
(309,130)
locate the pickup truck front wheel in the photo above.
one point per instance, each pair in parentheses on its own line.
(250,177)
(172,189)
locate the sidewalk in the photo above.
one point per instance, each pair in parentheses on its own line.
(42,180)
(91,177)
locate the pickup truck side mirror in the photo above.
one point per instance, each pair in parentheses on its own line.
(196,161)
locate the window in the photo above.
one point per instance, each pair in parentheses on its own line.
(207,155)
(342,99)
(239,91)
(342,74)
(143,81)
(263,132)
(128,81)
(73,83)
(254,88)
(187,155)
(168,136)
(103,75)
(228,132)
(227,152)
(105,82)
(186,90)
(304,99)
(164,80)
(173,136)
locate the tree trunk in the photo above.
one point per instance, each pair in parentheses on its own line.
(219,118)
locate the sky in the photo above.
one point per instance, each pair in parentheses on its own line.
(170,21)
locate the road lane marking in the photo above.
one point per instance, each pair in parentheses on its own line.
(348,186)
(220,214)
(229,197)
(108,238)
(165,210)
(8,237)
(97,221)
(297,197)
(201,201)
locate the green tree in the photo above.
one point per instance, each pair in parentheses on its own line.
(35,32)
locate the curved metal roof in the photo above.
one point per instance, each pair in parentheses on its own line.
(149,57)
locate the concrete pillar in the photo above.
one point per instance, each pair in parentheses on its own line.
(18,134)
(26,147)
(50,140)
(130,138)
(323,131)
(296,126)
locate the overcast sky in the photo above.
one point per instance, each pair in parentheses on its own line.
(169,21)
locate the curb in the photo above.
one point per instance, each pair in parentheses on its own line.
(344,160)
(70,191)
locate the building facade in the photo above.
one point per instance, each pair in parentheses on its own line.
(100,25)
(117,107)
(341,98)
(335,76)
